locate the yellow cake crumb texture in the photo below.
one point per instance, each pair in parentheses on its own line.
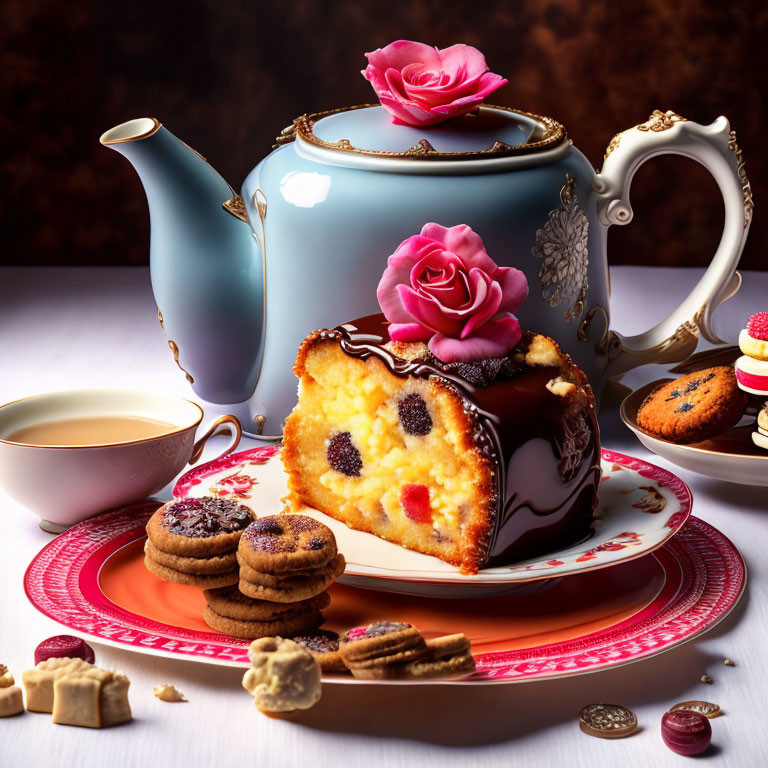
(339,394)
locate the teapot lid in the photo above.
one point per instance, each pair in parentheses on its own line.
(368,131)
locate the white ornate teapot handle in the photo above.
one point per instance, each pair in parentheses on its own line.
(715,147)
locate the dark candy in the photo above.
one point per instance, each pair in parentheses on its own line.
(64,646)
(686,732)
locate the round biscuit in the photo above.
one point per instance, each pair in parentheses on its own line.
(192,545)
(203,581)
(200,565)
(279,543)
(231,603)
(298,623)
(694,407)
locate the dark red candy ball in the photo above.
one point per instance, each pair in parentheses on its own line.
(64,646)
(686,732)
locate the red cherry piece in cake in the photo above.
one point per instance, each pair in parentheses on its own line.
(414,499)
(686,732)
(757,326)
(64,646)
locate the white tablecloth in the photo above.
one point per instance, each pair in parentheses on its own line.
(68,328)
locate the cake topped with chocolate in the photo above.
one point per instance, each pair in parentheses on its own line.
(440,425)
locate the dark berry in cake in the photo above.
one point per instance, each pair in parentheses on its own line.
(343,456)
(414,415)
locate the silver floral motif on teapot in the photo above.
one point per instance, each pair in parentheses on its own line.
(561,244)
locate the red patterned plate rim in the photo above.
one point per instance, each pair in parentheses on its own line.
(62,583)
(620,541)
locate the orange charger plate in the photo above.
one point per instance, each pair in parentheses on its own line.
(92,579)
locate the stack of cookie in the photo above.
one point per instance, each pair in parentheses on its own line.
(286,564)
(392,650)
(193,541)
(752,369)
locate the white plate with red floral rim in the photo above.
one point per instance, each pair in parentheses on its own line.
(641,506)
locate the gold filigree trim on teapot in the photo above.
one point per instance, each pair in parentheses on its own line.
(547,134)
(561,244)
(661,121)
(613,145)
(236,207)
(741,172)
(175,349)
(287,135)
(421,148)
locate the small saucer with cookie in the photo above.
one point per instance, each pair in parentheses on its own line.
(714,418)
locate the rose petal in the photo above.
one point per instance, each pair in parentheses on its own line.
(514,288)
(480,90)
(400,53)
(425,310)
(421,85)
(463,56)
(408,114)
(409,332)
(395,85)
(399,266)
(465,243)
(494,339)
(483,313)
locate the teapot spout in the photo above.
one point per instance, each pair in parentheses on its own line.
(206,266)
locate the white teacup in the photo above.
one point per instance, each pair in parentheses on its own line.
(64,484)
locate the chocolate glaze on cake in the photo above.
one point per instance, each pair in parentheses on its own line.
(547,456)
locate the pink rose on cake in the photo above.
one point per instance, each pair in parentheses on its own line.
(441,287)
(421,85)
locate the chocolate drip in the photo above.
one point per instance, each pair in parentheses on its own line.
(547,460)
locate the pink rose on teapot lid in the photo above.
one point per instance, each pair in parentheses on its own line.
(441,287)
(421,85)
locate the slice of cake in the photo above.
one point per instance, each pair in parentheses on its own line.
(439,425)
(477,464)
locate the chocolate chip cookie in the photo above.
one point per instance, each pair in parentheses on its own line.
(280,543)
(193,541)
(694,407)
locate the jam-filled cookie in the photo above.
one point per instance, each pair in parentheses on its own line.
(382,650)
(694,407)
(324,646)
(449,656)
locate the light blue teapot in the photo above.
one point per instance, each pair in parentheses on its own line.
(240,280)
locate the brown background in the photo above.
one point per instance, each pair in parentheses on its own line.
(226,75)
